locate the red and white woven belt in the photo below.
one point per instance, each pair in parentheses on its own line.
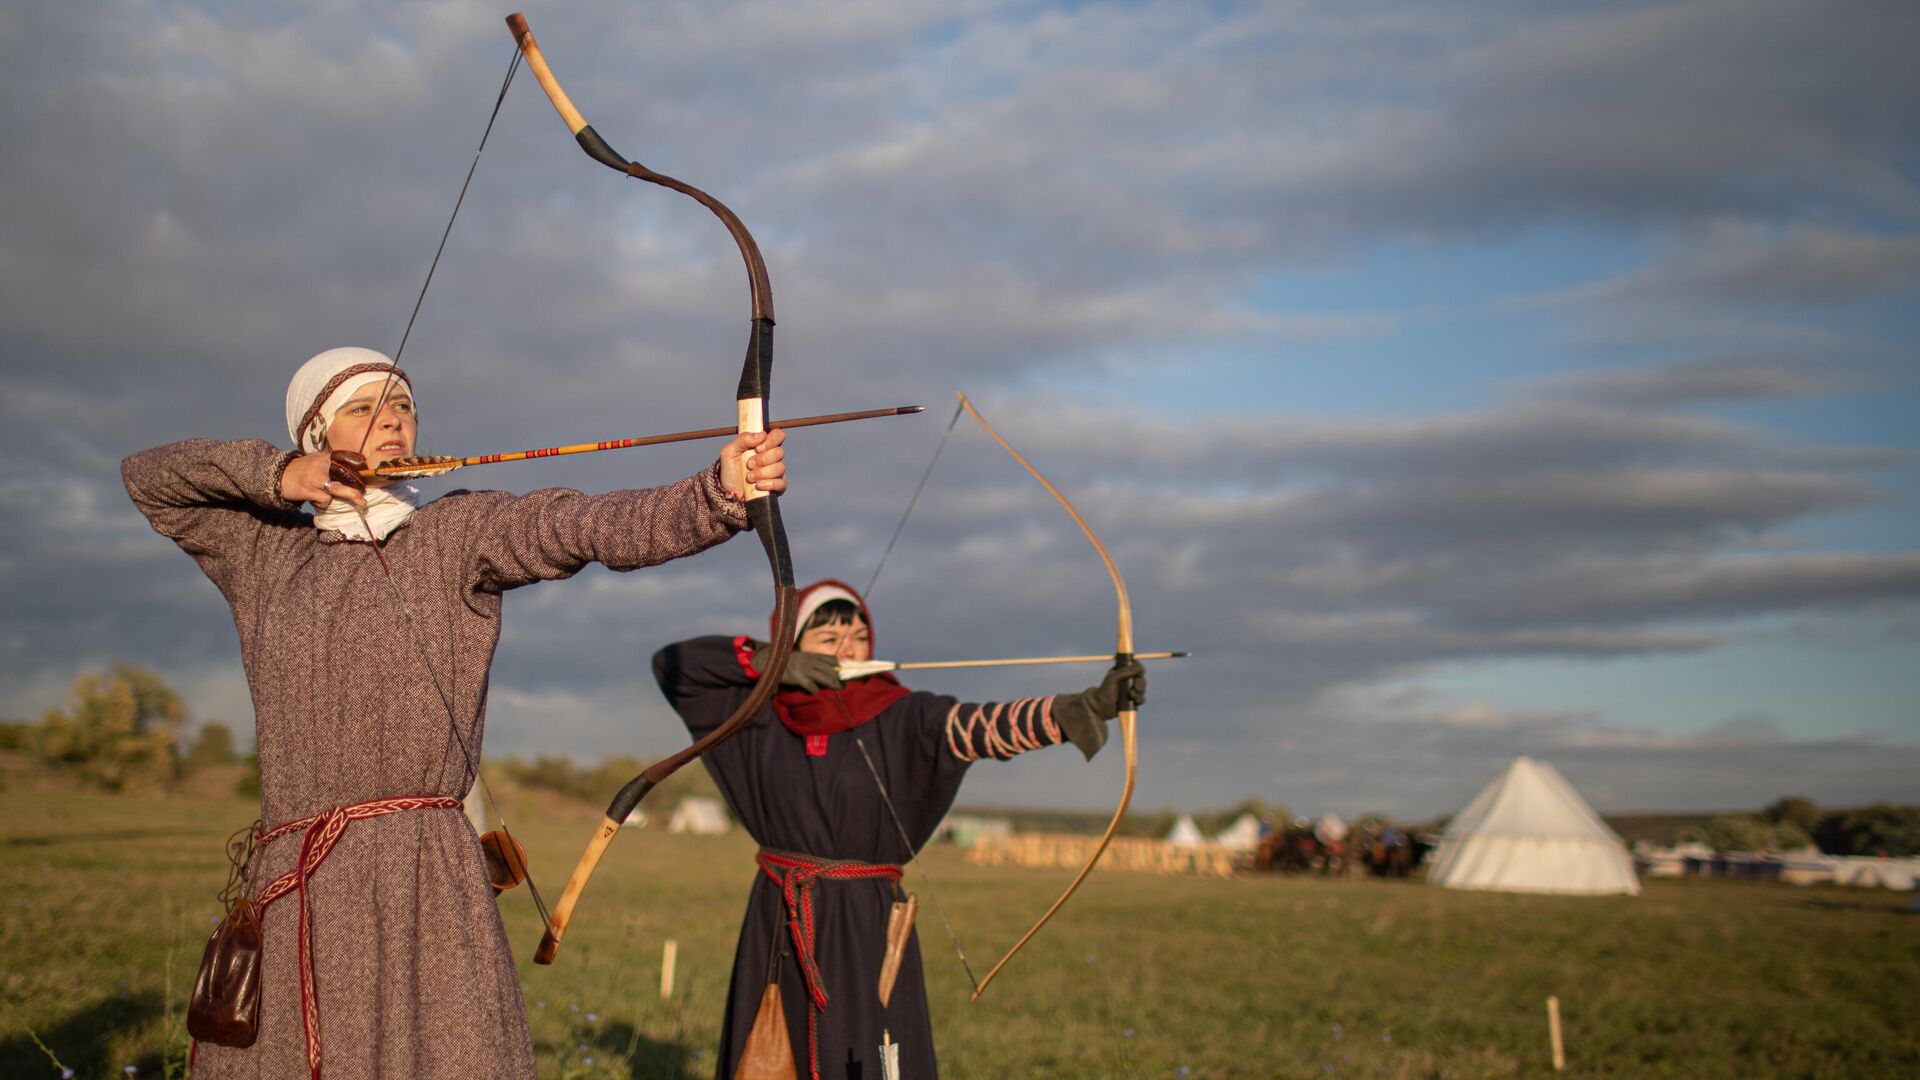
(321,832)
(795,874)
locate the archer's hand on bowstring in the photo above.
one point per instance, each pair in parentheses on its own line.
(769,472)
(1083,717)
(806,671)
(323,477)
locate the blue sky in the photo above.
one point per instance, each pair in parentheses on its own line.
(1455,382)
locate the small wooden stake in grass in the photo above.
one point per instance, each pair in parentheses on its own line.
(671,951)
(1553,1032)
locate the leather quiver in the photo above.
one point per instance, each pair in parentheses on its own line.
(768,1054)
(225,1007)
(899,930)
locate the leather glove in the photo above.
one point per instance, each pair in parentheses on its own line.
(806,671)
(1083,717)
(343,467)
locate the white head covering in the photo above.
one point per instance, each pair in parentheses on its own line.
(817,597)
(317,391)
(325,383)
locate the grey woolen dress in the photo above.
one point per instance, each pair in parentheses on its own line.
(412,972)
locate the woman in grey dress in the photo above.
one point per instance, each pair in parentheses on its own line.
(386,957)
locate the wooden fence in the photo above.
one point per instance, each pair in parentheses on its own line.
(1125,853)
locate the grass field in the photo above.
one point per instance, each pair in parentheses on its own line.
(105,901)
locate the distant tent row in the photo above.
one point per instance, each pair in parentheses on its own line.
(1527,831)
(1242,835)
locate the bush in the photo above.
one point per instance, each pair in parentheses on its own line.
(248,786)
(1796,810)
(597,783)
(214,746)
(118,731)
(1880,829)
(1742,832)
(15,735)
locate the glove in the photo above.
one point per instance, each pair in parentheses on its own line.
(343,467)
(1083,717)
(806,671)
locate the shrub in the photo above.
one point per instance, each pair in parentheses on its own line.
(118,731)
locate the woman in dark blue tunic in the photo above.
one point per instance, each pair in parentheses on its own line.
(806,778)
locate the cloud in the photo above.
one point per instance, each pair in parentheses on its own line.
(1700,382)
(1741,263)
(1041,204)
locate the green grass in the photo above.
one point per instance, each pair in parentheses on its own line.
(105,901)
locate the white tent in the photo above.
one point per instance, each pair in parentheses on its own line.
(1242,835)
(1529,831)
(699,815)
(1330,829)
(1185,833)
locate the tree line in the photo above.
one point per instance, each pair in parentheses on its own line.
(120,731)
(127,729)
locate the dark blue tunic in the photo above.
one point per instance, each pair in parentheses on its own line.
(827,806)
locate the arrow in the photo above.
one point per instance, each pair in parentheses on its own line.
(860,669)
(421,466)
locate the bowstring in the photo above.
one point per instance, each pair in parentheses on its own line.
(913,855)
(386,388)
(911,503)
(914,858)
(879,785)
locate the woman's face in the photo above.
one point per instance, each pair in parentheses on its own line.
(843,641)
(385,437)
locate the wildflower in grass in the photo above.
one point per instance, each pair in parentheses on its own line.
(539,1004)
(1128,1033)
(66,1074)
(1337,1034)
(593,1016)
(1182,1071)
(1387,1037)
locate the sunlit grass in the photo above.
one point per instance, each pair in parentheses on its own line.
(105,900)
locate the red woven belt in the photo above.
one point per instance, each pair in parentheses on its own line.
(795,874)
(322,831)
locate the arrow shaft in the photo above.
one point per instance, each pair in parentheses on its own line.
(398,469)
(1106,658)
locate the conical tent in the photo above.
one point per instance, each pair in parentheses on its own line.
(699,815)
(1243,834)
(1529,831)
(1185,833)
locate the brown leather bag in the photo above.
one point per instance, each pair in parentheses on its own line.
(768,1054)
(225,1007)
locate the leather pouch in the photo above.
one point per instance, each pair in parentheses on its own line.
(225,1007)
(768,1054)
(506,860)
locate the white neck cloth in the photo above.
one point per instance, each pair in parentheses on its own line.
(387,507)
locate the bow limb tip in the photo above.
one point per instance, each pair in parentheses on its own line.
(582,871)
(583,133)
